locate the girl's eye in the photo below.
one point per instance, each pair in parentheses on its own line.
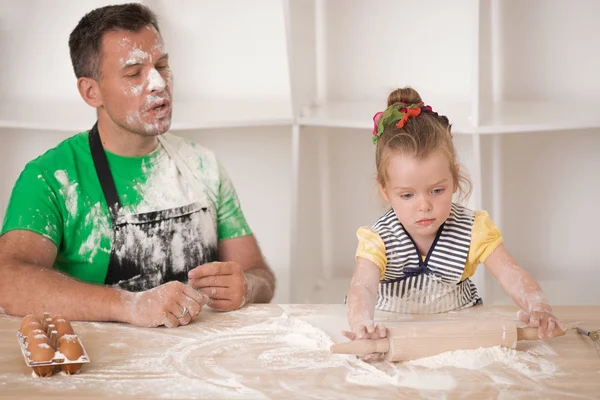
(438,191)
(406,196)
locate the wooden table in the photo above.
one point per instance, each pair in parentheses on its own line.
(281,351)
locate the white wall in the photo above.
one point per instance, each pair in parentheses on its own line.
(226,49)
(548,50)
(34,42)
(549,183)
(17,147)
(545,182)
(542,192)
(218,54)
(243,53)
(258,162)
(550,195)
(375,46)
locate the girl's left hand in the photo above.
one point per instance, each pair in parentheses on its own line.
(544,320)
(368,331)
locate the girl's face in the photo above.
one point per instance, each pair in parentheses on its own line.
(420,191)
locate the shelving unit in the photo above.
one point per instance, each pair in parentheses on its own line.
(73,116)
(232,96)
(285,90)
(505,117)
(66,116)
(364,50)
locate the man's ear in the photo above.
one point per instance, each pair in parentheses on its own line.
(383,192)
(90,91)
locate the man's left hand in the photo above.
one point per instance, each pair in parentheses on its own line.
(223,282)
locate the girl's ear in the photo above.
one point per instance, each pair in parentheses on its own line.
(456,182)
(383,192)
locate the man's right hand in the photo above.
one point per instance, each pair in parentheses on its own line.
(163,305)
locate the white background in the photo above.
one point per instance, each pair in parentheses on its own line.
(284,92)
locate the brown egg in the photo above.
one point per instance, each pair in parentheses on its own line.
(63,327)
(26,330)
(35,332)
(27,319)
(42,352)
(69,346)
(58,317)
(36,337)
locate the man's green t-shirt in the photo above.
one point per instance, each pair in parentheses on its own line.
(58,195)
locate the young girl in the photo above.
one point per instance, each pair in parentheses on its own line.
(418,257)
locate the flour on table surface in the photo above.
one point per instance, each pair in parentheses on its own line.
(531,363)
(266,353)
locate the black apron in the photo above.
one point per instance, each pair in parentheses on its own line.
(153,248)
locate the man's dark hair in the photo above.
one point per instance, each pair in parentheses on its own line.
(85,42)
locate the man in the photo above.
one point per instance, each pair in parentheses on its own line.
(109,225)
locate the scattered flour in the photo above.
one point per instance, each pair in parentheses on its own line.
(529,363)
(239,361)
(155,82)
(99,238)
(69,192)
(164,187)
(369,375)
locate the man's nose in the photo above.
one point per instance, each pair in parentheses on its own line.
(156,83)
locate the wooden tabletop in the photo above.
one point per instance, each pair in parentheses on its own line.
(282,351)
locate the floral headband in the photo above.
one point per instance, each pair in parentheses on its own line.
(396,112)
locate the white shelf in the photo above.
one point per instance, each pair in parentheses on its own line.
(522,117)
(71,116)
(75,116)
(230,114)
(359,115)
(507,117)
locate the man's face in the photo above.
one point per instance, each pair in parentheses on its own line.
(136,81)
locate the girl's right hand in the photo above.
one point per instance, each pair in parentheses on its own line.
(542,319)
(368,331)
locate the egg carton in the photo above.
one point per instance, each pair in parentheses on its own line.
(57,360)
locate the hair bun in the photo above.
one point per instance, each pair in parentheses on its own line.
(406,95)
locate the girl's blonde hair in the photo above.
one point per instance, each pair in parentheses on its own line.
(419,136)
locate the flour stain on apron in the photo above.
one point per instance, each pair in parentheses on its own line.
(152,248)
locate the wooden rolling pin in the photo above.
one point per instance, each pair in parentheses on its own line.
(425,339)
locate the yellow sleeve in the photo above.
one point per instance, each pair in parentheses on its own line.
(372,248)
(485,238)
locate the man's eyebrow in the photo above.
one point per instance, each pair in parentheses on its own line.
(134,62)
(131,63)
